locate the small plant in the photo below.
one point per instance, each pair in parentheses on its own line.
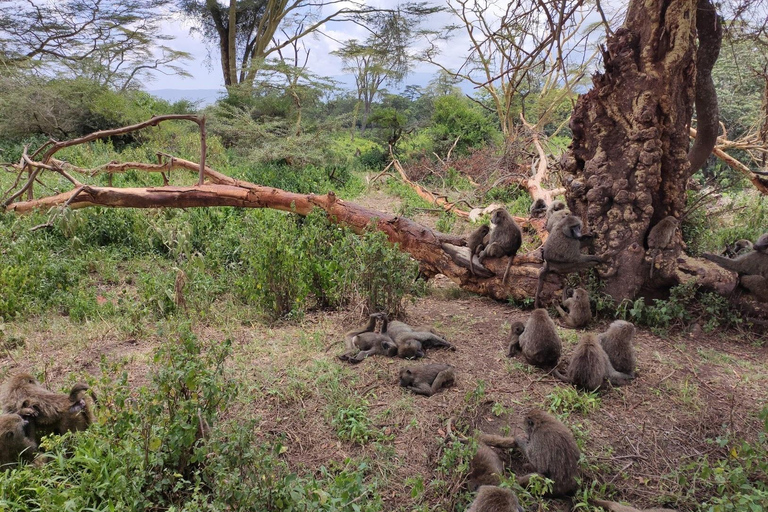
(567,400)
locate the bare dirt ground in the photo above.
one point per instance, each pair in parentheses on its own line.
(690,391)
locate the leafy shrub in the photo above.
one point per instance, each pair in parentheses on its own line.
(456,117)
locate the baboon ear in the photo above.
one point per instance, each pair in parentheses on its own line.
(77,406)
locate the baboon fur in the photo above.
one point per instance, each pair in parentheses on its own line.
(362,343)
(590,366)
(54,413)
(737,248)
(495,499)
(613,506)
(539,342)
(661,237)
(485,468)
(427,379)
(617,343)
(504,239)
(752,267)
(401,333)
(538,208)
(577,312)
(555,218)
(549,446)
(16,442)
(476,243)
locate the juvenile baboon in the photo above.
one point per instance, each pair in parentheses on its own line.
(562,252)
(617,343)
(577,312)
(476,243)
(612,506)
(538,208)
(362,343)
(16,441)
(504,239)
(539,342)
(752,267)
(427,379)
(590,366)
(485,468)
(737,248)
(661,237)
(549,447)
(54,413)
(515,330)
(555,219)
(495,499)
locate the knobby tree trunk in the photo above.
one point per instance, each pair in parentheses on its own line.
(628,165)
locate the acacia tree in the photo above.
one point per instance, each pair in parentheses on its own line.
(114,43)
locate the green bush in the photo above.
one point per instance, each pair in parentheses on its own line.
(457,117)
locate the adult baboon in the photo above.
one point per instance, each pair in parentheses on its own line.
(485,468)
(504,239)
(737,248)
(590,366)
(362,343)
(549,447)
(617,343)
(562,252)
(612,506)
(539,342)
(661,237)
(401,333)
(577,312)
(427,379)
(476,243)
(54,413)
(16,440)
(495,499)
(538,208)
(752,267)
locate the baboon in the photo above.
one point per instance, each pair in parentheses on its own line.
(427,379)
(504,239)
(549,447)
(402,333)
(495,499)
(16,440)
(538,208)
(617,343)
(562,252)
(577,313)
(555,206)
(539,342)
(52,413)
(612,506)
(556,211)
(485,468)
(660,238)
(737,248)
(590,366)
(476,243)
(362,343)
(752,267)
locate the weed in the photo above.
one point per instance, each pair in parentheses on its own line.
(565,400)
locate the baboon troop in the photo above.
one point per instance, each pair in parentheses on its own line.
(549,447)
(17,441)
(427,379)
(562,252)
(590,366)
(52,413)
(476,243)
(504,239)
(538,341)
(495,499)
(752,267)
(617,343)
(576,311)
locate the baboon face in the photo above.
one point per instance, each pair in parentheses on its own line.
(390,348)
(571,227)
(518,328)
(580,294)
(406,377)
(762,243)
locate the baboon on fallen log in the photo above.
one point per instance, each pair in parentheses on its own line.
(17,442)
(617,343)
(737,248)
(590,367)
(538,208)
(550,447)
(54,413)
(495,499)
(504,239)
(577,312)
(752,267)
(538,341)
(476,244)
(427,379)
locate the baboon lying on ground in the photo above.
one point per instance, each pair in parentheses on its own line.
(549,447)
(495,499)
(427,379)
(16,440)
(405,337)
(361,343)
(612,506)
(52,413)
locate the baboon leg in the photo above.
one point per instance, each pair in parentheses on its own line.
(559,376)
(561,311)
(617,378)
(422,389)
(492,250)
(363,354)
(506,272)
(443,379)
(758,285)
(542,275)
(514,349)
(427,339)
(523,480)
